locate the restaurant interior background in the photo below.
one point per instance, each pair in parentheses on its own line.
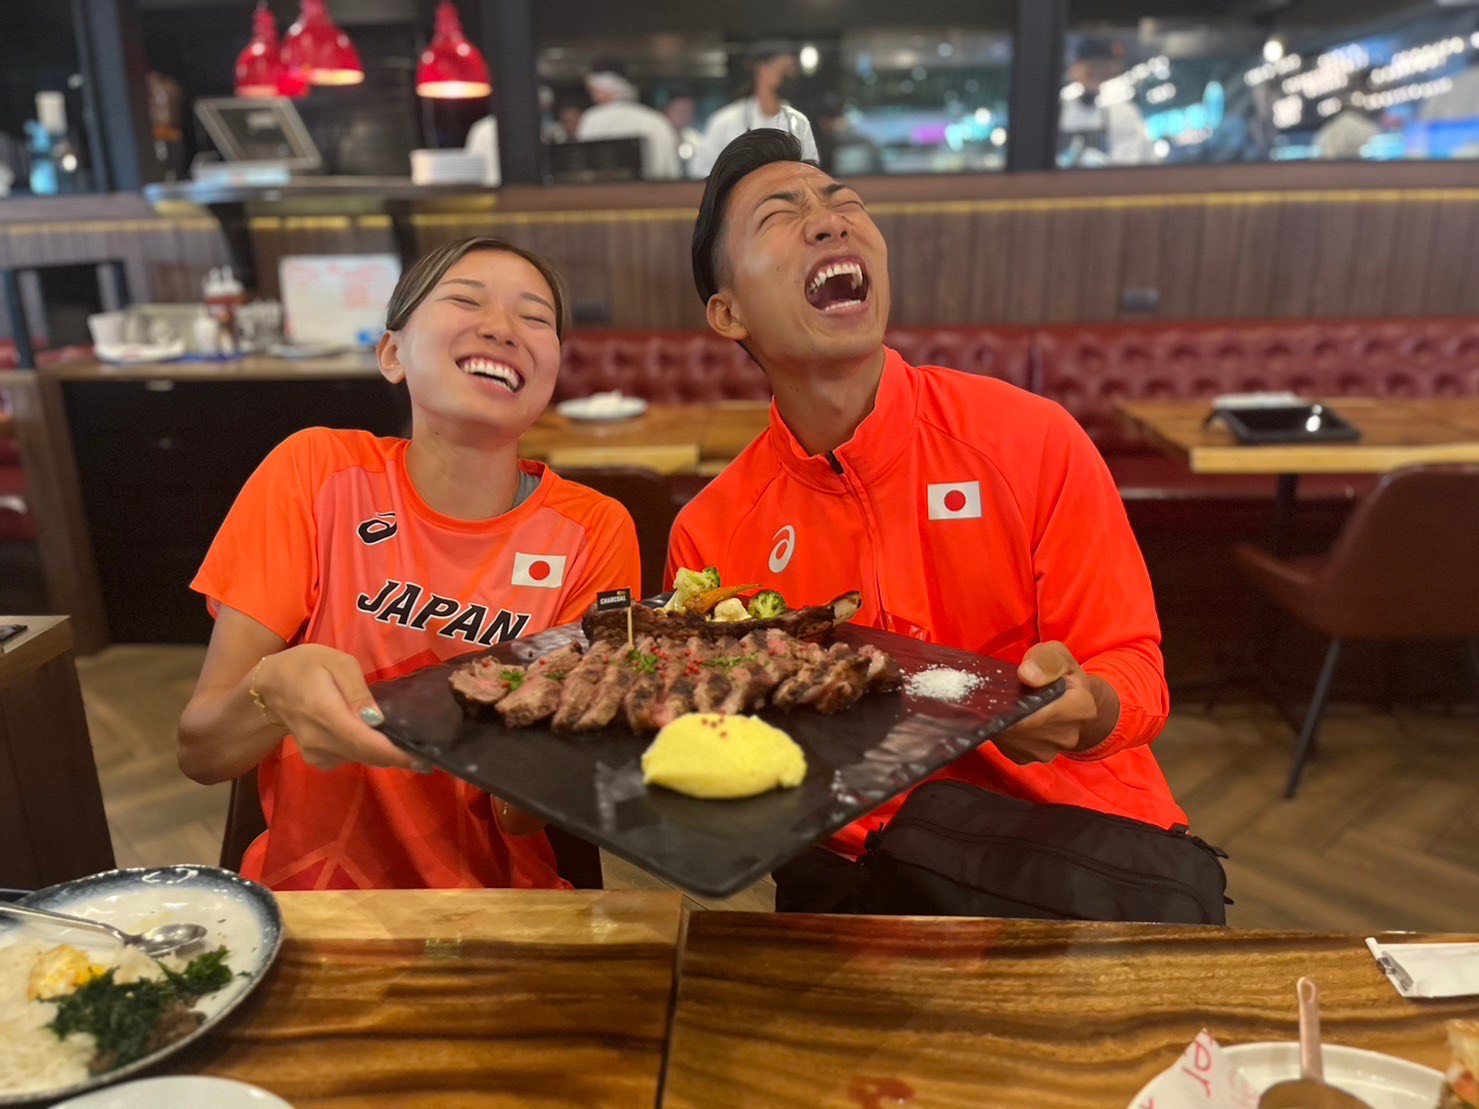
(1300,209)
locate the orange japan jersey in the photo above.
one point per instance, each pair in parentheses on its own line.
(969,513)
(329,543)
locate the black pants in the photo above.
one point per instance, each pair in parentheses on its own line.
(818,882)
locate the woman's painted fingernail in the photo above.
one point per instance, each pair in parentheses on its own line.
(372,716)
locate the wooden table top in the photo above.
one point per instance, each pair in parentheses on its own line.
(849,1011)
(669,438)
(45,638)
(1394,433)
(440,998)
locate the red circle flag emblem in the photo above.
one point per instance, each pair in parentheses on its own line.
(955,500)
(543,571)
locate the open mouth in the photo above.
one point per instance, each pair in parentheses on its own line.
(494,370)
(837,285)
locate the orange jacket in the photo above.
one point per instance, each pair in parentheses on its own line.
(330,543)
(969,513)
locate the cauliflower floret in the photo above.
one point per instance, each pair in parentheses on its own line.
(727,612)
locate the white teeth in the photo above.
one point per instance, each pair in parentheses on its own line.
(498,371)
(826,273)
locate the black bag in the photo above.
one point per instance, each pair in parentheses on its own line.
(955,850)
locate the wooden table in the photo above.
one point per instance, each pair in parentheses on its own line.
(1394,433)
(848,1011)
(668,438)
(52,824)
(467,997)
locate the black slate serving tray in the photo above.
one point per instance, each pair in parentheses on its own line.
(591,784)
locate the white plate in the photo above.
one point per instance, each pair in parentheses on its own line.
(1382,1081)
(181,1092)
(305,350)
(131,354)
(602,406)
(237,914)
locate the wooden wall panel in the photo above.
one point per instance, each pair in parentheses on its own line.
(1453,261)
(1011,258)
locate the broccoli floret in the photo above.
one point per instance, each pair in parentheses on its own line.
(767,604)
(711,575)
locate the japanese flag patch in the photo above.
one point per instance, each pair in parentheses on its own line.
(542,571)
(955,501)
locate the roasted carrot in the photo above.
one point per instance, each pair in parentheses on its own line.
(702,604)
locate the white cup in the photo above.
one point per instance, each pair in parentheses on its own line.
(106,327)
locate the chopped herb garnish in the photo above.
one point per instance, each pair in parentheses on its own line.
(514,678)
(124,1017)
(642,663)
(731,662)
(557,675)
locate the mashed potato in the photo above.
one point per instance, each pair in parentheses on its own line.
(719,757)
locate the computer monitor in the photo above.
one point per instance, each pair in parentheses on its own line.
(260,131)
(594,160)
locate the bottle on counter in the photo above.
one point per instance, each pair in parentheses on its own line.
(224,294)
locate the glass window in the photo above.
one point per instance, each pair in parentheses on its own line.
(1176,91)
(862,101)
(43,147)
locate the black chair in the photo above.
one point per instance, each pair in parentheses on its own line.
(653,502)
(577,861)
(1405,567)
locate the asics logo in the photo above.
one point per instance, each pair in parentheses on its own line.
(780,554)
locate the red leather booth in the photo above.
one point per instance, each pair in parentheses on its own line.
(1088,367)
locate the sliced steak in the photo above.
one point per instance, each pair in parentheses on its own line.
(481,684)
(803,623)
(579,687)
(539,694)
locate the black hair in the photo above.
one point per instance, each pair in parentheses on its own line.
(742,157)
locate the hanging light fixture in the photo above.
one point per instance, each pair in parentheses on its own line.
(451,68)
(259,66)
(318,50)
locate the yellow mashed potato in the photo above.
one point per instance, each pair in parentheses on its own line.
(719,757)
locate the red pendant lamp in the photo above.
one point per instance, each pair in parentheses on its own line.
(259,66)
(318,50)
(451,68)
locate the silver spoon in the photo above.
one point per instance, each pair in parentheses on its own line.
(155,942)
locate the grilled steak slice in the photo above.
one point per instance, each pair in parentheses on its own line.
(539,695)
(803,623)
(883,671)
(843,682)
(620,675)
(579,687)
(482,683)
(640,703)
(607,698)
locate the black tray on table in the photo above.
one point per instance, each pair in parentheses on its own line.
(591,784)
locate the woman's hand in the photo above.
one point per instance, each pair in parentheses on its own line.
(320,697)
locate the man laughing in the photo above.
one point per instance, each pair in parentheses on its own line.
(967,512)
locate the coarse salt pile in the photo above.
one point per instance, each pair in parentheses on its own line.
(940,683)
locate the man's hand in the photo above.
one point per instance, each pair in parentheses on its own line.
(1082,718)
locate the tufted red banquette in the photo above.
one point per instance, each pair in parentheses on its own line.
(1087,367)
(687,367)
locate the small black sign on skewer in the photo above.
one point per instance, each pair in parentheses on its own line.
(613,599)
